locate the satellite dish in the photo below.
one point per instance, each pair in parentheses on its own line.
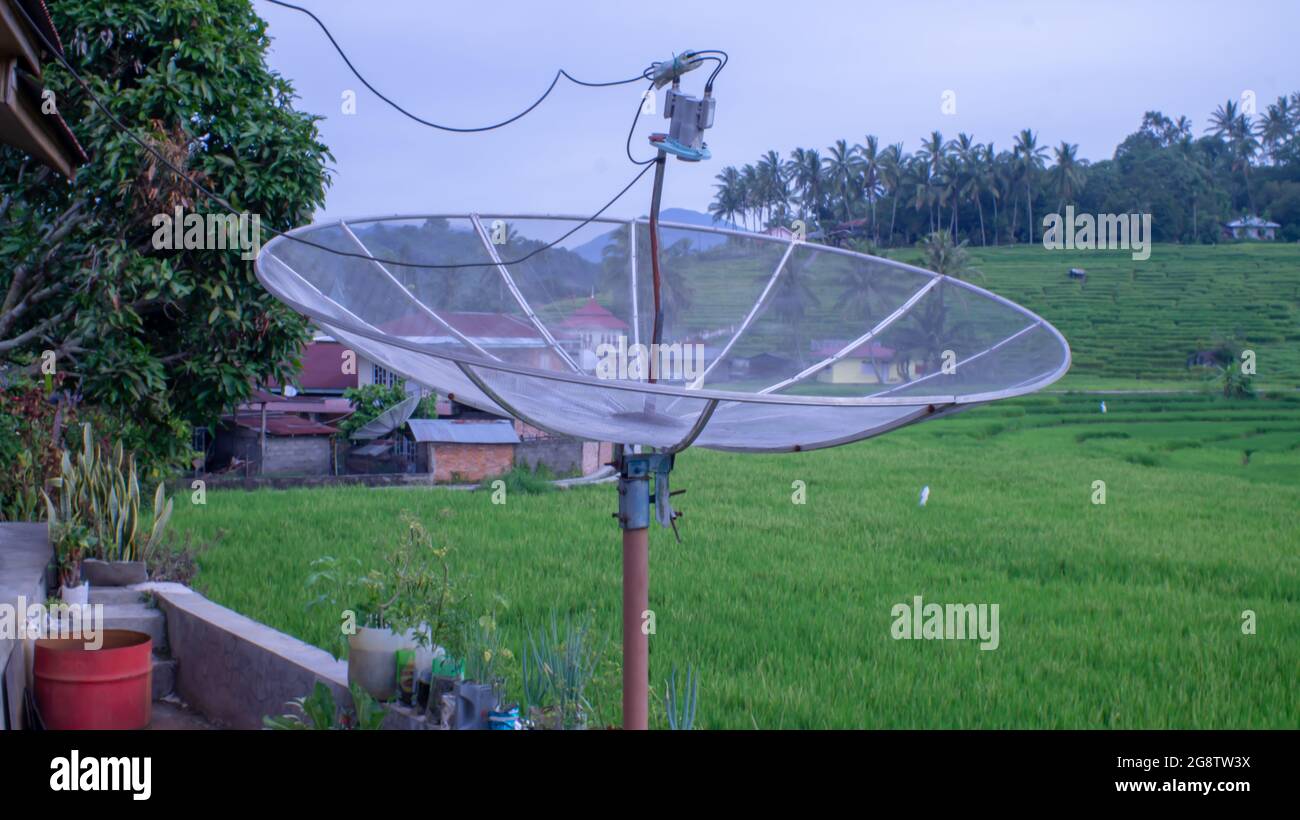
(757,343)
(290,391)
(769,344)
(386,422)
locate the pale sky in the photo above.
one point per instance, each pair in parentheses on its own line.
(801,74)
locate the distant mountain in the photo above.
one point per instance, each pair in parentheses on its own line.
(591,250)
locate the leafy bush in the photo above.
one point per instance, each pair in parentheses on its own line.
(526,482)
(427,408)
(31,432)
(369,400)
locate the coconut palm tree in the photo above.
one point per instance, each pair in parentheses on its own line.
(805,172)
(869,163)
(751,188)
(892,161)
(1031,157)
(1276,126)
(729,199)
(933,151)
(1066,176)
(1223,121)
(775,189)
(916,178)
(843,175)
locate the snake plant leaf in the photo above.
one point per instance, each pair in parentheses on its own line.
(160,523)
(51,515)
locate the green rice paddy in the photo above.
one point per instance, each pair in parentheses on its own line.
(1127,614)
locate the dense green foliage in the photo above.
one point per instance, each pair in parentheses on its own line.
(159,339)
(1127,614)
(369,400)
(1243,164)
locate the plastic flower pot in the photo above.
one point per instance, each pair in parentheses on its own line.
(106,688)
(372,660)
(77,594)
(114,573)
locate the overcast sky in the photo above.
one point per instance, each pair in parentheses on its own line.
(802,73)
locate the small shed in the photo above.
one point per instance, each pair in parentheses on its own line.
(463,451)
(290,445)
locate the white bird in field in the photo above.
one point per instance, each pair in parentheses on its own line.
(925,495)
(1103,407)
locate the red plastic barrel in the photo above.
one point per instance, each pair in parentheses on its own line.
(106,688)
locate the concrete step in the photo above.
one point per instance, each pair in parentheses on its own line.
(115,595)
(164,676)
(139,618)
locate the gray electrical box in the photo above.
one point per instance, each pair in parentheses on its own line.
(689,116)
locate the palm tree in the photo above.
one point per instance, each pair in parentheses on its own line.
(869,157)
(1275,128)
(751,189)
(805,172)
(1223,121)
(1031,159)
(861,290)
(933,150)
(775,189)
(842,175)
(892,161)
(791,302)
(729,200)
(1066,175)
(916,176)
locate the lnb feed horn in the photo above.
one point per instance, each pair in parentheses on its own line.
(670,71)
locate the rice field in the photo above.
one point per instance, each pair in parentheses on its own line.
(1127,614)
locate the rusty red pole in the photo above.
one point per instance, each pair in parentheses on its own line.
(636,643)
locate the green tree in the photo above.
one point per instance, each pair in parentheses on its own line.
(158,338)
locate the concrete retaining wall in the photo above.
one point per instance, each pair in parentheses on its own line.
(235,670)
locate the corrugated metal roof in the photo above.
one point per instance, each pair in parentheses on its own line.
(447,431)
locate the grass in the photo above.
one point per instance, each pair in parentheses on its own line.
(1122,615)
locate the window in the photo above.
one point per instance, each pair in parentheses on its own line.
(380,375)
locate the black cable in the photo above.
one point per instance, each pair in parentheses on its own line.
(421,120)
(628,146)
(708,86)
(58,54)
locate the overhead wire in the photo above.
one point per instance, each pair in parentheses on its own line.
(223,202)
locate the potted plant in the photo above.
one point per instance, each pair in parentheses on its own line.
(102,490)
(72,541)
(408,604)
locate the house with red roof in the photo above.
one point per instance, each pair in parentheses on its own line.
(588,327)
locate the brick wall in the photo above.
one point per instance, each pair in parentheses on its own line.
(472,462)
